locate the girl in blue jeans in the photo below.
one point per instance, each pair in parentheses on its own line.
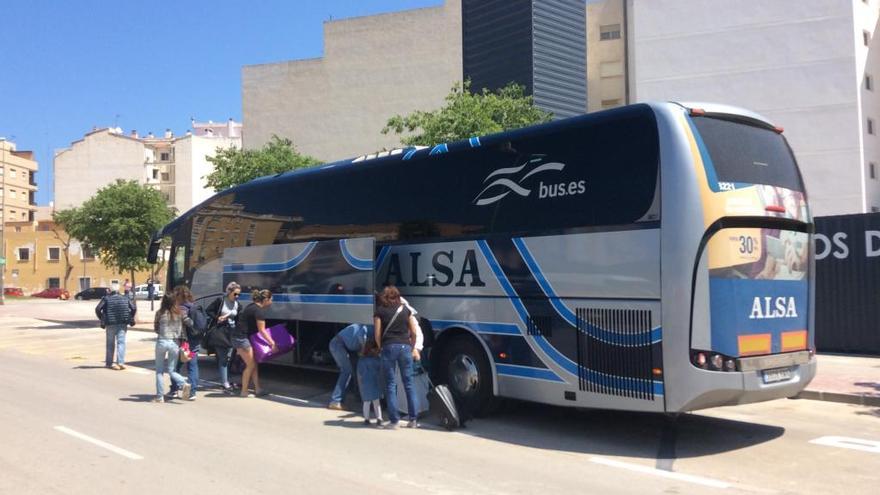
(396,335)
(169,329)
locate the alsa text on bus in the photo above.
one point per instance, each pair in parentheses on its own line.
(773,307)
(447,269)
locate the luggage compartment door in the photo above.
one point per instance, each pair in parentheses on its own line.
(325,281)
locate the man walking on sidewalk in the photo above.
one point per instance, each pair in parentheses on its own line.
(116,312)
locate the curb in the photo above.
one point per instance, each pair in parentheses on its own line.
(858,399)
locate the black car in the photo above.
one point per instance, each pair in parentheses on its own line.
(92,293)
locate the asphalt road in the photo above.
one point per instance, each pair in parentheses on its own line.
(67,425)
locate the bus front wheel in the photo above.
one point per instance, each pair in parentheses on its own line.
(467,372)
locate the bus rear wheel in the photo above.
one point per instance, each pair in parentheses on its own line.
(465,369)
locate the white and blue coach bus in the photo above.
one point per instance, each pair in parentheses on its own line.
(655,257)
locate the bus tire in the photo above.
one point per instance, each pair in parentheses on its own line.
(465,368)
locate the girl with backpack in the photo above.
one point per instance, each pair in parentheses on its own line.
(193,331)
(369,375)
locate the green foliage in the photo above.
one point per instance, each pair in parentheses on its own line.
(467,114)
(119,222)
(233,166)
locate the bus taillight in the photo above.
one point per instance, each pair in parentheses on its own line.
(713,361)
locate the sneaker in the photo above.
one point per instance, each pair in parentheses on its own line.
(391,426)
(191,397)
(228,390)
(185,392)
(121,366)
(175,394)
(367,422)
(412,424)
(115,367)
(158,398)
(335,406)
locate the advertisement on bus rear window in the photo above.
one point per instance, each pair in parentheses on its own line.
(758,281)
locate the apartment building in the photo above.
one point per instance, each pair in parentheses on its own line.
(18,184)
(40,255)
(375,67)
(175,165)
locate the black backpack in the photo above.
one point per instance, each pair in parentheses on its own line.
(200,320)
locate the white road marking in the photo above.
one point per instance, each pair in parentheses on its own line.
(871,446)
(659,472)
(99,443)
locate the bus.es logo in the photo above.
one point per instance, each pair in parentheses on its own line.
(506,182)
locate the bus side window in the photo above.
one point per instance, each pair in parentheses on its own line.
(178,264)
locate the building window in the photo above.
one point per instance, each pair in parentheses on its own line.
(18,228)
(54,253)
(870,126)
(15,273)
(611,103)
(114,281)
(11,173)
(869,82)
(1,170)
(166,177)
(873,170)
(12,193)
(24,254)
(53,283)
(87,253)
(84,283)
(866,37)
(609,32)
(164,156)
(155,173)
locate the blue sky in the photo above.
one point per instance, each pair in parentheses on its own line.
(68,66)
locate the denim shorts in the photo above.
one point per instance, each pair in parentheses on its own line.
(241,343)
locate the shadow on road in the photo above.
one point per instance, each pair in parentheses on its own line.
(619,433)
(89,367)
(67,324)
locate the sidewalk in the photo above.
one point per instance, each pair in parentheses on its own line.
(846,378)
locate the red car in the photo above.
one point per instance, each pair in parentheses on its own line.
(13,291)
(54,293)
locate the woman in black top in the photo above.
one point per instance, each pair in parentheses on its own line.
(252,320)
(396,336)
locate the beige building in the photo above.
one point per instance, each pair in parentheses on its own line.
(17,183)
(176,166)
(606,55)
(40,255)
(335,107)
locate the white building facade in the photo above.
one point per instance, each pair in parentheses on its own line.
(807,65)
(176,166)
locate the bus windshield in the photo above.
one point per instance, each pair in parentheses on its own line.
(748,154)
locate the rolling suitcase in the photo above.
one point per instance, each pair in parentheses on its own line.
(443,404)
(422,384)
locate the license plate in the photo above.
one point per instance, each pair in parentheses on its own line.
(777,375)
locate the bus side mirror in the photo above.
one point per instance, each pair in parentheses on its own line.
(153,251)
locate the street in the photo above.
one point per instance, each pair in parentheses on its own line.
(71,426)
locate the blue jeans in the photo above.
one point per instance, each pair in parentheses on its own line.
(192,371)
(343,360)
(394,356)
(224,354)
(115,338)
(166,361)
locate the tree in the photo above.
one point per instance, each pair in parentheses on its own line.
(233,166)
(62,220)
(468,114)
(119,222)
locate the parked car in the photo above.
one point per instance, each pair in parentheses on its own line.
(140,292)
(92,293)
(13,291)
(53,293)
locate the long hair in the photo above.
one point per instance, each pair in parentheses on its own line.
(260,296)
(389,297)
(183,294)
(169,305)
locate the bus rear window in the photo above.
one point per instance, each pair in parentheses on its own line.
(743,153)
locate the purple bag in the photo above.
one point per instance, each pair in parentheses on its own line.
(283,341)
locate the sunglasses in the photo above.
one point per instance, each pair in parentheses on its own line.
(236,294)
